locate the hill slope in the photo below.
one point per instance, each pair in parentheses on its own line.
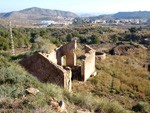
(35,13)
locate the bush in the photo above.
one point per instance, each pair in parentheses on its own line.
(143,107)
(131,42)
(34,47)
(20,56)
(69,37)
(94,39)
(3,61)
(95,104)
(94,81)
(115,40)
(83,39)
(13,81)
(6,55)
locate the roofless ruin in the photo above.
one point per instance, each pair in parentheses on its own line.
(48,67)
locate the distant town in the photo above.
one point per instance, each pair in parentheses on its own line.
(116,22)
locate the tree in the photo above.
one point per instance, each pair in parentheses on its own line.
(34,46)
(75,34)
(131,42)
(69,37)
(115,40)
(83,39)
(133,30)
(95,39)
(4,43)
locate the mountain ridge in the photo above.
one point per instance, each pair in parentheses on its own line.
(34,13)
(124,15)
(133,15)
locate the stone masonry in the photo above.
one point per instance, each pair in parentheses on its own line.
(48,67)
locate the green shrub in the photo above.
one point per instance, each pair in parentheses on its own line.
(95,104)
(34,47)
(52,90)
(69,37)
(131,42)
(13,81)
(94,39)
(94,81)
(143,107)
(115,40)
(6,55)
(3,61)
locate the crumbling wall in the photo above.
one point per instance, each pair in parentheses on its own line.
(67,79)
(51,56)
(68,51)
(48,67)
(47,71)
(88,63)
(100,55)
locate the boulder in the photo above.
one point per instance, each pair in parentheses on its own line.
(33,91)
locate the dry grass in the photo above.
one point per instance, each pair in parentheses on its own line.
(121,78)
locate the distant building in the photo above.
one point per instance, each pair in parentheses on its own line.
(46,22)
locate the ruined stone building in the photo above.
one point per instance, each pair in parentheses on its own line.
(48,67)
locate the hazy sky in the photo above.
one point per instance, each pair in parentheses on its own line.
(78,6)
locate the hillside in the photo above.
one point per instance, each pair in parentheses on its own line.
(133,15)
(122,83)
(35,13)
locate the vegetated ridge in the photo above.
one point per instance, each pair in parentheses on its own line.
(35,13)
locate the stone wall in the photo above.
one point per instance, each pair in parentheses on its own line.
(51,56)
(47,71)
(48,67)
(68,51)
(88,63)
(100,55)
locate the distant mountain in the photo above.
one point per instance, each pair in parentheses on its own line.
(35,14)
(108,16)
(87,14)
(133,15)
